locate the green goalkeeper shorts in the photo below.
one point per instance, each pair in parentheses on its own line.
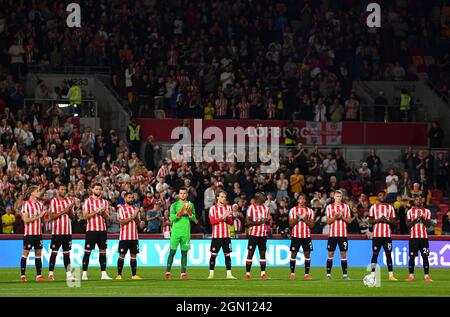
(183,240)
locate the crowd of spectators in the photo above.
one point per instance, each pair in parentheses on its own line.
(268,59)
(50,150)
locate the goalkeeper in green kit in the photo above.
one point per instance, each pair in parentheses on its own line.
(182,212)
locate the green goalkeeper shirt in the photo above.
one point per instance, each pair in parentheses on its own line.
(181,224)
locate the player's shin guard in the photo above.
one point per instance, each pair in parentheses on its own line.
(426,264)
(38,263)
(183,261)
(389,262)
(66,258)
(344,266)
(51,265)
(102,260)
(170,260)
(411,264)
(212,261)
(120,262)
(86,257)
(292,263)
(329,265)
(307,265)
(133,264)
(228,262)
(23,265)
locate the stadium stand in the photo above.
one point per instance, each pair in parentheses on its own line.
(174,59)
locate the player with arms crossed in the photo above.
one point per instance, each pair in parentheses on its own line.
(301,220)
(32,212)
(95,211)
(418,219)
(258,217)
(220,216)
(182,212)
(128,238)
(338,216)
(382,216)
(61,212)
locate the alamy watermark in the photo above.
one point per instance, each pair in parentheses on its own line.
(252,144)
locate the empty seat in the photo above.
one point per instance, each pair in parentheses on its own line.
(160,114)
(437,193)
(435,201)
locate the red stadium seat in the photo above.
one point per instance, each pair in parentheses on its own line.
(437,193)
(346,185)
(444,207)
(435,202)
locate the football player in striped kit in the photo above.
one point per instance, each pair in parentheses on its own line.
(95,211)
(382,216)
(338,217)
(220,216)
(418,220)
(258,217)
(128,238)
(301,220)
(61,212)
(32,212)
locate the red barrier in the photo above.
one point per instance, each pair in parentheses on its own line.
(240,236)
(353,133)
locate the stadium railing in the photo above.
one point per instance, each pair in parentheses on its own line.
(101,70)
(88,108)
(391,113)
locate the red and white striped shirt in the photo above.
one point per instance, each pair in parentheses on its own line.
(127,231)
(244,110)
(91,205)
(33,209)
(382,230)
(36,179)
(237,225)
(271,110)
(163,171)
(339,227)
(183,79)
(61,225)
(418,231)
(172,57)
(220,228)
(167,225)
(254,98)
(301,229)
(114,170)
(258,213)
(221,107)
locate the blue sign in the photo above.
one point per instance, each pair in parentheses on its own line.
(155,252)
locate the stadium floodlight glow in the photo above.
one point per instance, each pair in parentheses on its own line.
(63,105)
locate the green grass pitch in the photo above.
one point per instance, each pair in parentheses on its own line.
(154,284)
